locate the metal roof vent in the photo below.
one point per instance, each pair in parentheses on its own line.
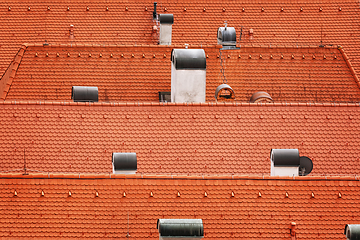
(352,231)
(166,22)
(124,163)
(84,94)
(164,96)
(285,162)
(188,75)
(224,92)
(226,36)
(260,97)
(154,13)
(172,229)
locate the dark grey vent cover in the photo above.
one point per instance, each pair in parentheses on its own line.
(352,231)
(285,157)
(124,161)
(188,58)
(164,96)
(306,166)
(166,18)
(84,94)
(180,228)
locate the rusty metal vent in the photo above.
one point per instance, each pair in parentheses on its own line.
(260,97)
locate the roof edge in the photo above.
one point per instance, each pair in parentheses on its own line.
(9,75)
(170,104)
(169,177)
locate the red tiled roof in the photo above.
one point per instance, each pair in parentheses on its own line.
(320,208)
(128,22)
(307,74)
(176,138)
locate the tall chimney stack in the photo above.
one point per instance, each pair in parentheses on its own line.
(188,75)
(166,21)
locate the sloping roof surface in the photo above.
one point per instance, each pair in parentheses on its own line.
(179,139)
(129,73)
(130,22)
(335,202)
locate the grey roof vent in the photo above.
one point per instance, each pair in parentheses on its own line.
(352,231)
(191,229)
(224,92)
(164,96)
(124,163)
(84,94)
(166,18)
(226,36)
(260,97)
(285,157)
(188,58)
(306,166)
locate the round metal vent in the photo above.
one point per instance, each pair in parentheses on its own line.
(306,166)
(260,97)
(224,92)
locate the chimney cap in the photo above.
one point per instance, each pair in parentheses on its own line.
(194,59)
(166,18)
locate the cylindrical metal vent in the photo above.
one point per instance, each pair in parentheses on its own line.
(84,94)
(285,157)
(226,35)
(189,58)
(166,18)
(180,227)
(124,161)
(352,231)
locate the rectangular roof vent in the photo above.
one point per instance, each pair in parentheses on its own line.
(164,96)
(172,229)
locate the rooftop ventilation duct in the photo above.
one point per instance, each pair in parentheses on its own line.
(352,231)
(260,97)
(124,163)
(285,162)
(172,229)
(188,75)
(166,22)
(84,94)
(226,37)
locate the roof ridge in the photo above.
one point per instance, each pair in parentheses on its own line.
(9,75)
(350,66)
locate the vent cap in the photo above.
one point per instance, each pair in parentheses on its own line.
(226,36)
(224,92)
(125,163)
(285,157)
(189,59)
(166,18)
(352,231)
(260,97)
(180,228)
(84,94)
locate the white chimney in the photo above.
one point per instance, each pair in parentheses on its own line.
(188,75)
(285,162)
(166,22)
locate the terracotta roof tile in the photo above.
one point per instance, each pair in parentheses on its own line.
(286,73)
(291,26)
(81,138)
(30,214)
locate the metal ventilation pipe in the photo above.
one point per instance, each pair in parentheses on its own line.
(154,13)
